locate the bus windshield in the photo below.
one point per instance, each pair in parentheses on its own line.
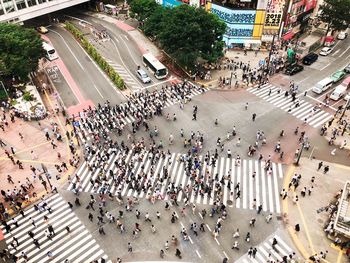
(153,64)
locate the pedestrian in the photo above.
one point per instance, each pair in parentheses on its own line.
(297,228)
(326,169)
(36,243)
(161,254)
(235,245)
(50,255)
(320,164)
(253,116)
(68,229)
(70,205)
(91,217)
(101,230)
(158,214)
(129,248)
(178,253)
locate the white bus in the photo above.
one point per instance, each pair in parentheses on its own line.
(50,52)
(153,64)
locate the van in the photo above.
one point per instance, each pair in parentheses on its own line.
(322,85)
(338,92)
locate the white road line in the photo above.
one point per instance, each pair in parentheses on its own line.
(325,66)
(225,254)
(198,254)
(217,241)
(98,91)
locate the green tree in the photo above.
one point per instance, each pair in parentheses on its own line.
(20,50)
(142,9)
(336,13)
(187,33)
(155,22)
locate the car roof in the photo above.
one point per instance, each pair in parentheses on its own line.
(141,71)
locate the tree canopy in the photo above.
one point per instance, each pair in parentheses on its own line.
(186,33)
(142,9)
(336,13)
(20,50)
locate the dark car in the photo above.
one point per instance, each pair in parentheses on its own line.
(310,58)
(293,69)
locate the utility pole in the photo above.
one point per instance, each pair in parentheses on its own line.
(300,153)
(270,53)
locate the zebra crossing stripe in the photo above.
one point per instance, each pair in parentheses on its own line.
(275,182)
(303,112)
(261,190)
(78,243)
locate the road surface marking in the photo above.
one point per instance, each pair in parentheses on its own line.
(70,50)
(98,91)
(225,254)
(325,66)
(126,37)
(199,255)
(217,241)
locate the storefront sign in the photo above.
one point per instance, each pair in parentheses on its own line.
(234,16)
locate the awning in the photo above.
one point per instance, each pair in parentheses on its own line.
(288,36)
(252,41)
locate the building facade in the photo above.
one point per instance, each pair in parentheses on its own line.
(17,11)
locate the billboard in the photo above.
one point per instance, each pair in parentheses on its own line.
(245,17)
(274,13)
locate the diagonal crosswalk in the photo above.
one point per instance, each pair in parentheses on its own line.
(125,75)
(266,253)
(101,119)
(299,108)
(76,246)
(263,189)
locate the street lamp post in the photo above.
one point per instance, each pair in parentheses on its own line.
(300,152)
(46,175)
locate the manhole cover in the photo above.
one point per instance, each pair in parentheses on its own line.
(236,57)
(229,202)
(320,220)
(283,85)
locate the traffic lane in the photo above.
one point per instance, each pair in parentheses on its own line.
(129,53)
(324,66)
(93,84)
(100,82)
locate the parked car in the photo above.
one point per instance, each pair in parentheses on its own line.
(347,68)
(326,51)
(342,35)
(338,75)
(310,58)
(293,69)
(142,75)
(42,30)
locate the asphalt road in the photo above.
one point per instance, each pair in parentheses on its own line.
(92,83)
(324,67)
(123,54)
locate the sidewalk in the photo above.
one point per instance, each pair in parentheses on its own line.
(312,239)
(35,150)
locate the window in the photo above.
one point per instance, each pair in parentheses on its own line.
(21,4)
(9,6)
(31,2)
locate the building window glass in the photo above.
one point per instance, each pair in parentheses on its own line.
(41,1)
(31,2)
(9,6)
(20,4)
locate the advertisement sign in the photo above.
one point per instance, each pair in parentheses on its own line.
(234,16)
(171,3)
(239,30)
(273,20)
(274,12)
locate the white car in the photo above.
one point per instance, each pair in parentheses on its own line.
(347,96)
(326,51)
(342,35)
(142,75)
